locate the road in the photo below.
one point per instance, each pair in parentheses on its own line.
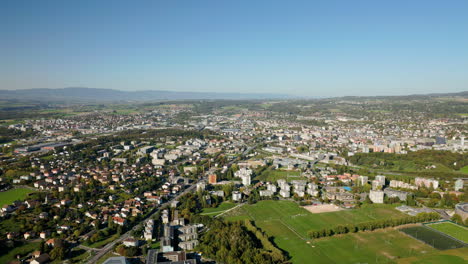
(101,252)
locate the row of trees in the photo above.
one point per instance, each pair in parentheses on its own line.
(370,226)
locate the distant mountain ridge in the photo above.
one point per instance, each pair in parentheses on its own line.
(96,95)
(111,95)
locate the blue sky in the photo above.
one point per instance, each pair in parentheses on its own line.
(307,48)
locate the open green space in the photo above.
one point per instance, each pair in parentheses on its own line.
(274,175)
(432,237)
(213,211)
(382,246)
(109,254)
(464,169)
(78,255)
(103,242)
(445,162)
(288,223)
(451,229)
(12,195)
(452,256)
(22,250)
(302,221)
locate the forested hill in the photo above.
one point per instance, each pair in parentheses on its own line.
(413,161)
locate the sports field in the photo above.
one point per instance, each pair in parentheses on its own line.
(288,224)
(301,221)
(432,237)
(452,256)
(451,229)
(12,195)
(381,246)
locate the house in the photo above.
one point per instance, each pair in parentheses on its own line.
(11,235)
(131,242)
(44,235)
(119,220)
(7,208)
(51,242)
(28,235)
(43,258)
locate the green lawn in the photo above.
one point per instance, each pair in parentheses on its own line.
(464,169)
(217,210)
(79,255)
(274,175)
(382,246)
(103,242)
(452,256)
(22,250)
(302,221)
(288,223)
(12,195)
(451,229)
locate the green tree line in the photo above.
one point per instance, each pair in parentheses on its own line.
(372,225)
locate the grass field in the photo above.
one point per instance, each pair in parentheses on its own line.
(381,246)
(22,250)
(12,195)
(288,224)
(452,256)
(274,175)
(217,210)
(103,242)
(432,237)
(451,229)
(464,169)
(302,221)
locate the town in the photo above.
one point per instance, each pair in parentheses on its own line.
(157,184)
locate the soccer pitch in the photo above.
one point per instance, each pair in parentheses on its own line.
(288,223)
(432,237)
(451,229)
(301,221)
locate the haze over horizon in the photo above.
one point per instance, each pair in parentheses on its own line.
(334,48)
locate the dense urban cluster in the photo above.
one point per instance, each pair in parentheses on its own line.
(138,184)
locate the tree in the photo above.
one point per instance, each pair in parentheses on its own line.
(42,247)
(58,253)
(457,219)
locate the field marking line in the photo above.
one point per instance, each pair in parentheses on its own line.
(294,231)
(447,235)
(447,222)
(427,243)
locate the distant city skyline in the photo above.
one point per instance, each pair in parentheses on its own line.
(328,49)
